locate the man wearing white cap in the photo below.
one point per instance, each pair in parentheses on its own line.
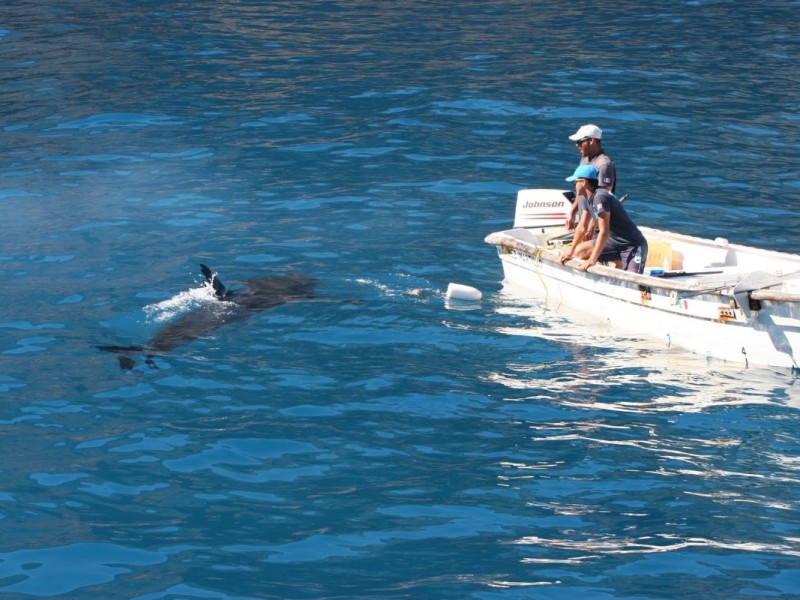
(588,139)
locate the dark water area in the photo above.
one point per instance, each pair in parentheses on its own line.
(377,442)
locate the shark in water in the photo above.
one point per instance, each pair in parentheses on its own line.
(255,295)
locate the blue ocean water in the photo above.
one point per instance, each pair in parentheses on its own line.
(378,442)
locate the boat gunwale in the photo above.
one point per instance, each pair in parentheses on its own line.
(508,239)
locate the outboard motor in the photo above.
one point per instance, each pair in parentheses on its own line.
(543,212)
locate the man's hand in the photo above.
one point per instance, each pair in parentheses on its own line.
(565,257)
(570,222)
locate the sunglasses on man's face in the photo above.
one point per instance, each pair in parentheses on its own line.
(580,142)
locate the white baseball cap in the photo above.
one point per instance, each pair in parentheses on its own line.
(587,131)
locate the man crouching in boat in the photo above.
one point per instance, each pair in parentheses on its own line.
(616,236)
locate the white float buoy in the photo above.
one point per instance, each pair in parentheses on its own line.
(458,291)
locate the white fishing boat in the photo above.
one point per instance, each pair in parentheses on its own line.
(719,299)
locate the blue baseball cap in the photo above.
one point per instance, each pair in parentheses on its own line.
(584,172)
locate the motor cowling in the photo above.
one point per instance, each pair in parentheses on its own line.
(542,208)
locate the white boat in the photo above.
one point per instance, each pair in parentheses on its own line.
(721,300)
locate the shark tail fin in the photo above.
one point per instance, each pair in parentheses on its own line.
(219,287)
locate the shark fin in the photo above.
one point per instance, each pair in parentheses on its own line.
(219,287)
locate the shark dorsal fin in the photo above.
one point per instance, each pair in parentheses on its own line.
(219,287)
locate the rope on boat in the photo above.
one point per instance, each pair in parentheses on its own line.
(538,259)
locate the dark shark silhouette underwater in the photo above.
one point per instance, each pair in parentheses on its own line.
(255,295)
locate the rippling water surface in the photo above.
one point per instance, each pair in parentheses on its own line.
(378,442)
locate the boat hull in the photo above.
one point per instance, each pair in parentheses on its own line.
(700,313)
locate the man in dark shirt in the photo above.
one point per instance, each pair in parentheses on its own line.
(616,237)
(588,140)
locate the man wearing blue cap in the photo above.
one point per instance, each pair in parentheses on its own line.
(616,236)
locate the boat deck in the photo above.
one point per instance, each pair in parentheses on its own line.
(707,266)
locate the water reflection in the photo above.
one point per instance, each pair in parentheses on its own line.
(657,460)
(655,378)
(632,545)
